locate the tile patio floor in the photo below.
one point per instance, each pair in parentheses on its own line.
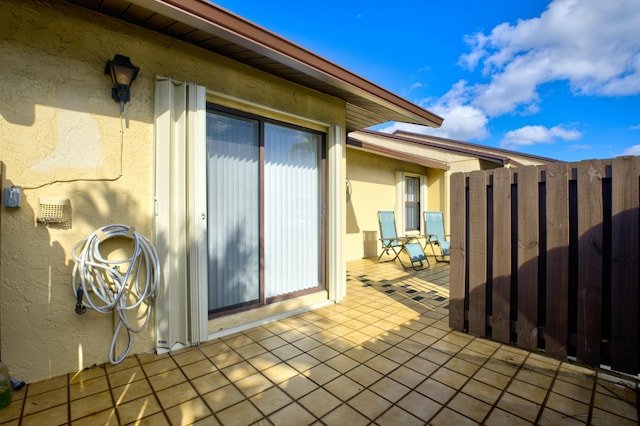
(384,356)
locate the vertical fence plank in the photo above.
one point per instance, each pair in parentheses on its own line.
(625,275)
(458,251)
(477,247)
(556,329)
(590,244)
(528,235)
(501,256)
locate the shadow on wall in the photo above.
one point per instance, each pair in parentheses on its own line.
(42,335)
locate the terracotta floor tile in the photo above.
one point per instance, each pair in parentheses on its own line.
(286,352)
(364,375)
(103,418)
(264,361)
(237,340)
(46,385)
(239,371)
(450,378)
(96,371)
(470,407)
(91,404)
(407,376)
(88,387)
(605,418)
(161,366)
(45,400)
(58,415)
(422,366)
(481,391)
(131,391)
(436,390)
(167,379)
(572,391)
(492,378)
(280,372)
(343,388)
(389,389)
(321,374)
(270,400)
(518,406)
(461,366)
(303,362)
(448,417)
(527,391)
(225,359)
(551,417)
(250,350)
(174,395)
(419,406)
(319,402)
(369,404)
(323,353)
(397,416)
(292,414)
(253,384)
(209,382)
(567,406)
(297,386)
(379,357)
(243,413)
(360,354)
(499,417)
(187,356)
(138,409)
(617,406)
(188,412)
(222,398)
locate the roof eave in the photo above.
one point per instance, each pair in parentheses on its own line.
(223,23)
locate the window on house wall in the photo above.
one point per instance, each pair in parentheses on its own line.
(265,207)
(412,203)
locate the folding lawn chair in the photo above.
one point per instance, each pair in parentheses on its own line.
(435,236)
(391,242)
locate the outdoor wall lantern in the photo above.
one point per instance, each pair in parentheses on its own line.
(122,72)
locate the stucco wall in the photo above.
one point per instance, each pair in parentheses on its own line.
(372,179)
(60,135)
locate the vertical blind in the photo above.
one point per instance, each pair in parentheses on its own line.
(233,158)
(292,186)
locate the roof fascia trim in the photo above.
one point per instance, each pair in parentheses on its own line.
(385,152)
(220,22)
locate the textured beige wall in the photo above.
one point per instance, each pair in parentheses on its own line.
(60,135)
(372,180)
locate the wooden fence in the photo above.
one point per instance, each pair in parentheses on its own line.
(548,258)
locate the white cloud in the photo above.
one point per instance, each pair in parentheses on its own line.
(415,85)
(531,135)
(592,44)
(633,150)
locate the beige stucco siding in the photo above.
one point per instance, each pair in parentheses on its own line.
(372,179)
(61,135)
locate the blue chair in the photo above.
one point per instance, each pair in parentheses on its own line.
(391,242)
(435,236)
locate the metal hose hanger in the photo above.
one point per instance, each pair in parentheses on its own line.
(105,288)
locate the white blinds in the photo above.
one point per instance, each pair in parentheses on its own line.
(233,158)
(292,236)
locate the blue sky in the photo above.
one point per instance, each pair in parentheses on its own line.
(559,78)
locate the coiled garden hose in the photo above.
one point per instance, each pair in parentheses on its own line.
(98,280)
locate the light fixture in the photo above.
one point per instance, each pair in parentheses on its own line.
(122,72)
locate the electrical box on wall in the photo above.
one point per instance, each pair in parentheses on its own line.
(12,196)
